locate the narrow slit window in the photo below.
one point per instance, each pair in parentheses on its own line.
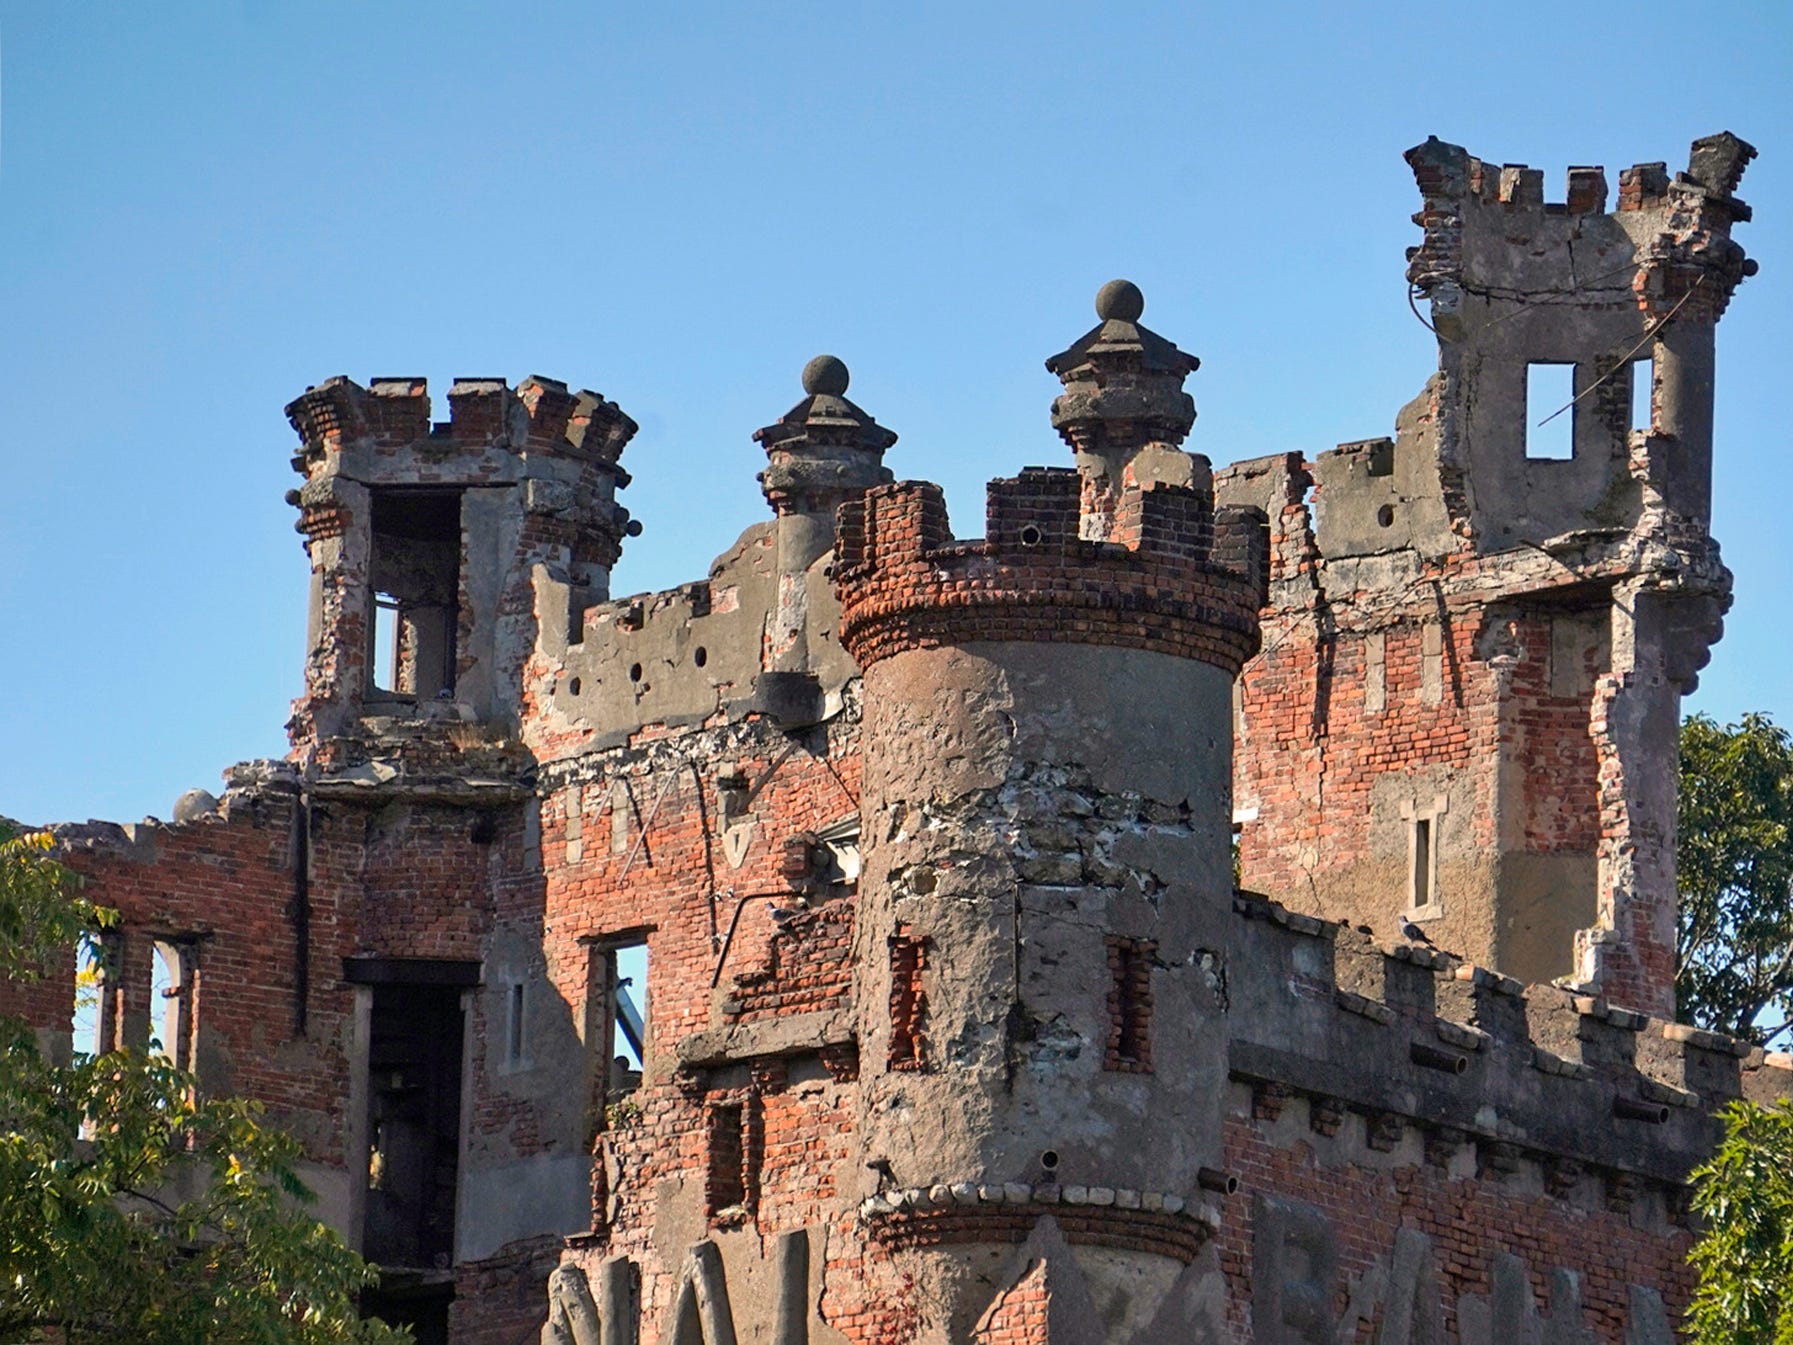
(1130,1005)
(1422,863)
(1550,412)
(513,1040)
(1643,377)
(384,664)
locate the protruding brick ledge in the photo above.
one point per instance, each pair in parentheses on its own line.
(1178,580)
(959,1212)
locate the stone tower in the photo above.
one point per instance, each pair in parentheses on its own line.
(422,538)
(1047,878)
(1477,639)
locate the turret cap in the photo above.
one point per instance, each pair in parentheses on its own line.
(825,375)
(1120,300)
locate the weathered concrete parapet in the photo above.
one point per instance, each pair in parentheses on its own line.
(904,583)
(1454,1047)
(1514,281)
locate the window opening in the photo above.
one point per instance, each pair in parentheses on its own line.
(513,1036)
(1643,378)
(1130,1005)
(84,1025)
(617,1025)
(171,999)
(1550,412)
(385,654)
(1422,862)
(414,1124)
(415,574)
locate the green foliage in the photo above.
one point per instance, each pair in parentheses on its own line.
(131,1209)
(1745,1255)
(1735,861)
(39,912)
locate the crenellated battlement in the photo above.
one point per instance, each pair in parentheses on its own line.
(1177,577)
(1411,1033)
(538,415)
(1667,235)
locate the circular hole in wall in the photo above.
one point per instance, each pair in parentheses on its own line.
(1049,1159)
(1386,515)
(634,672)
(573,687)
(700,656)
(1030,535)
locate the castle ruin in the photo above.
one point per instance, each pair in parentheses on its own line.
(894,938)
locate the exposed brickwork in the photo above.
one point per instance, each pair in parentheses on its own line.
(925,847)
(908,1001)
(1129,1046)
(905,585)
(1022,1315)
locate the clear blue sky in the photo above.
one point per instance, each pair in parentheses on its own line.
(204,208)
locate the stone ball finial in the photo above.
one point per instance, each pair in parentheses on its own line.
(825,375)
(1120,299)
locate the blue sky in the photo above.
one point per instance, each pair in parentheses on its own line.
(204,208)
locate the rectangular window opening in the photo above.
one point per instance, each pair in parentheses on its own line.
(416,577)
(1643,379)
(1550,412)
(908,1001)
(90,989)
(617,1026)
(383,667)
(1130,1005)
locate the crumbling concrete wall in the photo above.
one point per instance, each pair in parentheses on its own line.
(955,1026)
(1467,709)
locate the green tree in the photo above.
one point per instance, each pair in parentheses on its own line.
(1735,863)
(132,1208)
(1744,1256)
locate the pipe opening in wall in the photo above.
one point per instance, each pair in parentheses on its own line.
(1030,535)
(1049,1159)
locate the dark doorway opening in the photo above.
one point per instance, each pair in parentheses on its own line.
(413,1125)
